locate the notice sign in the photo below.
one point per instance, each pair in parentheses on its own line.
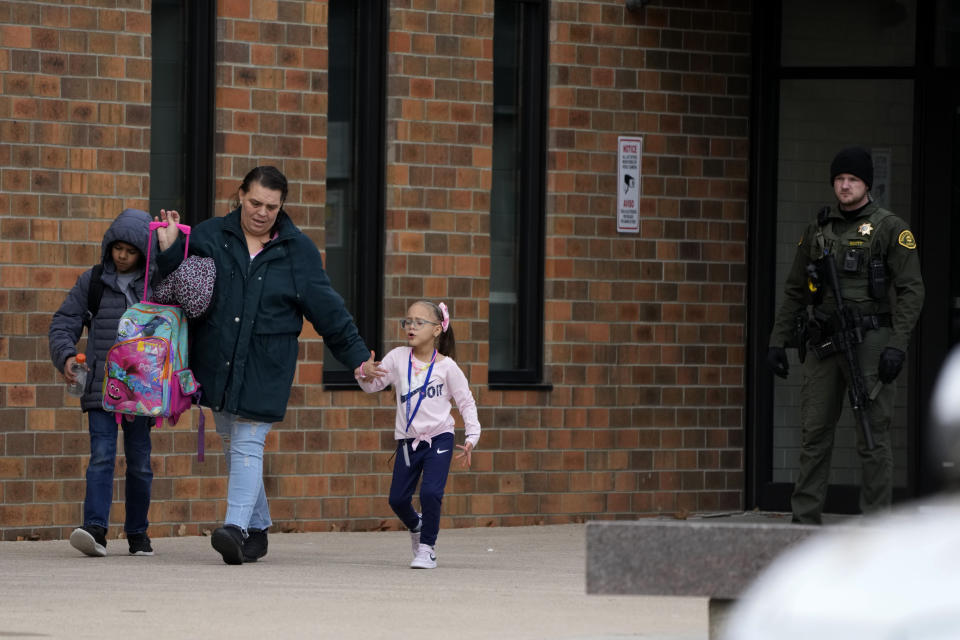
(629,150)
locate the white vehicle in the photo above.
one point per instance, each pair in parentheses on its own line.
(890,577)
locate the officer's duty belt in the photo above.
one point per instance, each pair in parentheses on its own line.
(827,347)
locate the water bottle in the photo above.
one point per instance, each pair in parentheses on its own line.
(79,368)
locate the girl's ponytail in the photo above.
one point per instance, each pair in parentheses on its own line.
(446,344)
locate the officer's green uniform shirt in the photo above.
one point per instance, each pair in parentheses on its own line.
(874,230)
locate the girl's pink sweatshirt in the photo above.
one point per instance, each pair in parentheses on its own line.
(446,383)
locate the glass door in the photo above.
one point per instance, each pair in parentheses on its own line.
(818,117)
(828,75)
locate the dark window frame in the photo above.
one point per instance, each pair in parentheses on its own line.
(201,105)
(196,110)
(369,145)
(531,198)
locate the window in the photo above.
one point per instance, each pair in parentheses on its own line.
(824,33)
(182,106)
(355,170)
(517,193)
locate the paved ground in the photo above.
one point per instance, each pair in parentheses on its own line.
(507,583)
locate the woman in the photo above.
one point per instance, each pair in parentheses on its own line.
(244,350)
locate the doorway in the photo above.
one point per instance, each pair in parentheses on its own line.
(886,80)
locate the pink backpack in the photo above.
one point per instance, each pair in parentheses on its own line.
(147,370)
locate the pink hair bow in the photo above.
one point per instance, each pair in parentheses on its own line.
(446,317)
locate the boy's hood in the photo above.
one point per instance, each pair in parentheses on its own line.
(133,227)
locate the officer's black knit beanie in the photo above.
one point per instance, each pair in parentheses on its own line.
(855,160)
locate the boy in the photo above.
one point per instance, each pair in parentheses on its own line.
(121,283)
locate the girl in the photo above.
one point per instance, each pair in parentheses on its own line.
(426,379)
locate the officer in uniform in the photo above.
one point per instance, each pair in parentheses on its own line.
(878,271)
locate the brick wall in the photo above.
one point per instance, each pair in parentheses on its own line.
(644,333)
(74,151)
(271,109)
(439,130)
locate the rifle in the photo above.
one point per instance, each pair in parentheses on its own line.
(846,338)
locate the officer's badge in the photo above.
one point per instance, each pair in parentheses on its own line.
(906,239)
(865,229)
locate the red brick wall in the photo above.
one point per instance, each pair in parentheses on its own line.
(271,109)
(439,130)
(644,333)
(74,151)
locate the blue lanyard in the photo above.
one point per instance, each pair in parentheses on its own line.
(423,388)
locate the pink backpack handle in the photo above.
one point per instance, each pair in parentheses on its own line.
(185,228)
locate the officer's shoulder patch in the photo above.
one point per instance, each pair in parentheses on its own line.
(906,239)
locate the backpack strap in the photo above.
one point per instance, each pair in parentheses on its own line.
(94,294)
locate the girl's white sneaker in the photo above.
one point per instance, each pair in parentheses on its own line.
(426,558)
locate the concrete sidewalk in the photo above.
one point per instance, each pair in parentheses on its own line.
(510,583)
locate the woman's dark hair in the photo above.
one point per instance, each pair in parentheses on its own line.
(269,178)
(446,344)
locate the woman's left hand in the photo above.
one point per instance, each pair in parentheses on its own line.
(167,235)
(464,456)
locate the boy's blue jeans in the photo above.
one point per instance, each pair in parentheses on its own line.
(103,455)
(243,441)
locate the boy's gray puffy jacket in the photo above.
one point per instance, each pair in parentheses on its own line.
(133,227)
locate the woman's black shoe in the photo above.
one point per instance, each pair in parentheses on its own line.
(228,541)
(255,546)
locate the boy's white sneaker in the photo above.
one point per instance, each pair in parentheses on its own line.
(426,558)
(90,540)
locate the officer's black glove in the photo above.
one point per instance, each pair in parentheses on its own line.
(777,361)
(891,361)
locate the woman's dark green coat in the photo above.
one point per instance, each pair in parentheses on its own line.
(244,349)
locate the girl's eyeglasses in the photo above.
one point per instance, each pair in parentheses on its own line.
(416,323)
